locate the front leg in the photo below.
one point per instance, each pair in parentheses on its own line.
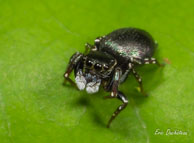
(74,60)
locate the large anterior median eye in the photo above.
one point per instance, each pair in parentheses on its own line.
(98,67)
(89,63)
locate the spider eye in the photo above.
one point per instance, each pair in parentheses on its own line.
(98,67)
(89,63)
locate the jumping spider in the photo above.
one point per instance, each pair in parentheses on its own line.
(109,61)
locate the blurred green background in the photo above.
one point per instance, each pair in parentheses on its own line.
(38,37)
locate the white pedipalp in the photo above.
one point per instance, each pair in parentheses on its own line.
(91,83)
(80,80)
(93,87)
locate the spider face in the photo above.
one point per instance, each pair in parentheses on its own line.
(93,69)
(99,64)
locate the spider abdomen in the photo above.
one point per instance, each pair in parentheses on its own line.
(127,43)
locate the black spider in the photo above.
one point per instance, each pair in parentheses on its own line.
(109,61)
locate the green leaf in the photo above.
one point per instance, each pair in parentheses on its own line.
(37,38)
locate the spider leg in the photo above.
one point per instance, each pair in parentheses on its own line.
(146,61)
(139,80)
(98,39)
(121,97)
(89,47)
(152,61)
(116,94)
(74,60)
(116,78)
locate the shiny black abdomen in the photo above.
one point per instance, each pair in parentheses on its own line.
(124,44)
